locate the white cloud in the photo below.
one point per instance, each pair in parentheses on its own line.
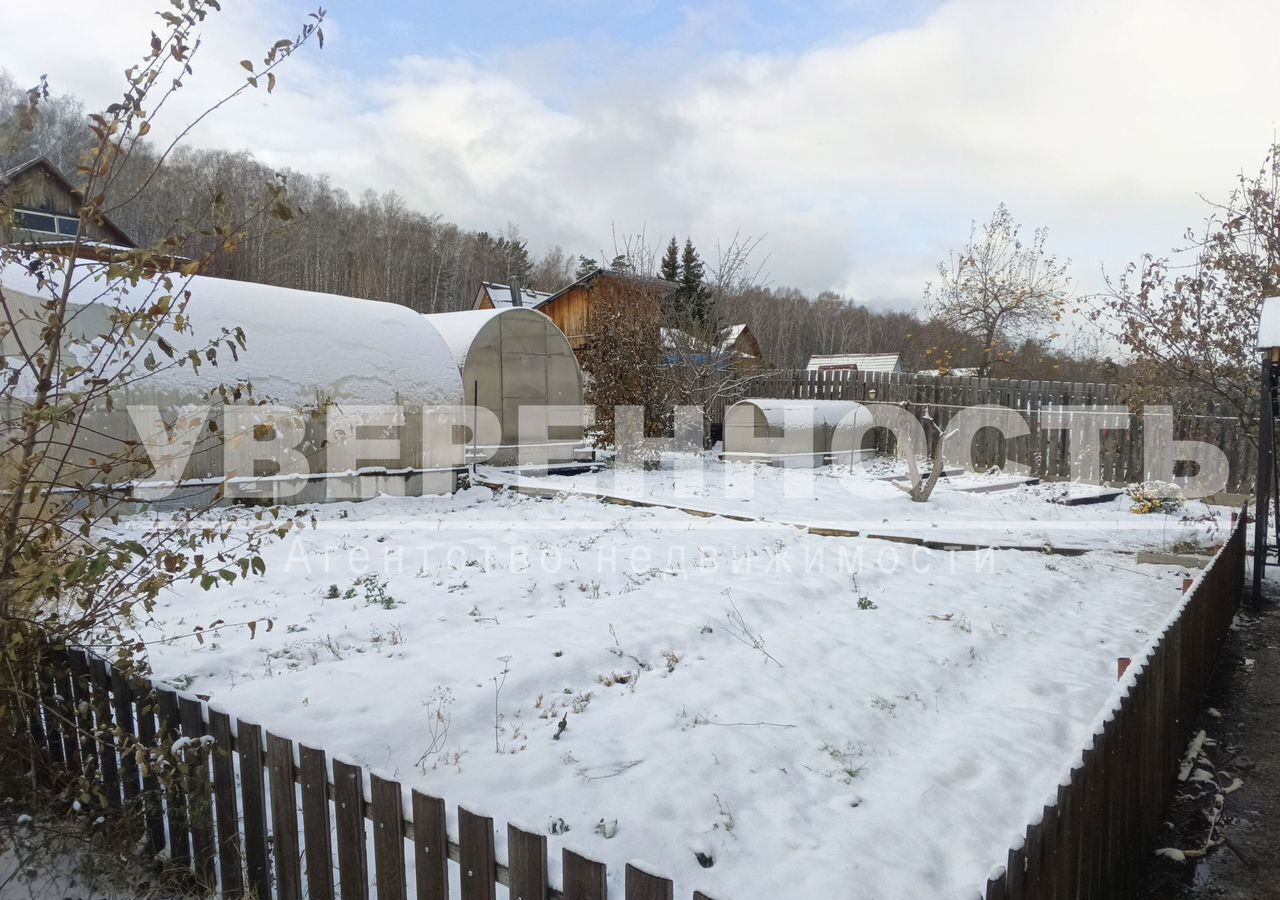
(863,159)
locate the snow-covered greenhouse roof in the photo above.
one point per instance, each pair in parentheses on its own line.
(298,344)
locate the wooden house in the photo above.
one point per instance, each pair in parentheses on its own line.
(38,205)
(570,307)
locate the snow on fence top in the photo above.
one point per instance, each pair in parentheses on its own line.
(298,344)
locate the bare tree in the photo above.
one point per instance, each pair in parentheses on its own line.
(998,290)
(66,574)
(1191,320)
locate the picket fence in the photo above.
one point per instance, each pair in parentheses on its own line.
(1041,404)
(1092,841)
(229,817)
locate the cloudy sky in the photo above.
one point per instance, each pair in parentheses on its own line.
(859,136)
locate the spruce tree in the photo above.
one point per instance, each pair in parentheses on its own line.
(671,261)
(693,293)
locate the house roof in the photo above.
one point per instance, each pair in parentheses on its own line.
(591,276)
(42,162)
(500,296)
(864,362)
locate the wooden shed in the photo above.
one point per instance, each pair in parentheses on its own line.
(38,205)
(570,307)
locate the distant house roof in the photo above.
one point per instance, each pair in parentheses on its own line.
(500,296)
(121,238)
(646,280)
(863,362)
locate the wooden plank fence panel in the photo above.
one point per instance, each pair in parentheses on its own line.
(284,818)
(253,797)
(430,847)
(348,813)
(526,864)
(584,879)
(388,838)
(226,816)
(314,775)
(475,843)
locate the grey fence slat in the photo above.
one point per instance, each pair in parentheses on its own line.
(152,791)
(253,799)
(314,775)
(65,706)
(584,879)
(526,864)
(48,705)
(476,857)
(284,818)
(82,698)
(640,885)
(175,796)
(122,706)
(199,797)
(430,847)
(348,813)
(388,838)
(226,815)
(104,721)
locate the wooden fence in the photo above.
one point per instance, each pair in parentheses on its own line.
(1041,404)
(1092,841)
(252,815)
(249,814)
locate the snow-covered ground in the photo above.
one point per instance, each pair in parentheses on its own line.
(756,711)
(867,501)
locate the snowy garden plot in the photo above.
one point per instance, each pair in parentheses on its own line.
(756,711)
(866,500)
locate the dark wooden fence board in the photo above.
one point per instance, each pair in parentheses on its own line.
(430,847)
(348,806)
(388,838)
(476,857)
(526,864)
(640,885)
(284,818)
(175,796)
(104,722)
(199,797)
(226,816)
(253,795)
(584,879)
(314,775)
